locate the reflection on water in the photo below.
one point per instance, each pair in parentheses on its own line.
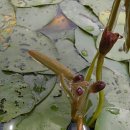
(58,24)
(1,126)
(12,125)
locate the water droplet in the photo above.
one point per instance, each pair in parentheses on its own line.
(54,107)
(73,126)
(113,110)
(89,28)
(84,53)
(101,29)
(125,91)
(118,92)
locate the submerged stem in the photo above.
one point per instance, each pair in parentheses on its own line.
(101,93)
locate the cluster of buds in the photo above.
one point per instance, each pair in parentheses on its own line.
(79,90)
(80,85)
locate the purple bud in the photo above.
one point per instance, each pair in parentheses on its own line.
(97,86)
(107,41)
(79,91)
(78,78)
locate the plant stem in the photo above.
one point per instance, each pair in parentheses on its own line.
(80,123)
(113,15)
(65,86)
(91,68)
(101,93)
(99,67)
(52,64)
(127,26)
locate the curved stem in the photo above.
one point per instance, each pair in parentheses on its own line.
(101,93)
(65,86)
(90,70)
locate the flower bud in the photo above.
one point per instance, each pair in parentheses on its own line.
(97,86)
(78,78)
(79,91)
(107,41)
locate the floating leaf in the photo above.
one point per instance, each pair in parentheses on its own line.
(16,58)
(7,22)
(117,89)
(116,110)
(65,34)
(109,120)
(15,97)
(35,18)
(81,16)
(104,16)
(30,3)
(53,113)
(41,85)
(69,56)
(19,95)
(98,6)
(85,45)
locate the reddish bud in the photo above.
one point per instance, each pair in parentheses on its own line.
(97,86)
(78,78)
(79,91)
(107,41)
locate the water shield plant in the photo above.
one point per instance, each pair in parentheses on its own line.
(80,87)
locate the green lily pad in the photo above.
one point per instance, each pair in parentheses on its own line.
(117,91)
(81,16)
(6,7)
(53,113)
(85,45)
(115,112)
(30,3)
(69,56)
(19,95)
(16,58)
(16,97)
(66,34)
(98,6)
(35,18)
(104,16)
(41,85)
(7,22)
(113,119)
